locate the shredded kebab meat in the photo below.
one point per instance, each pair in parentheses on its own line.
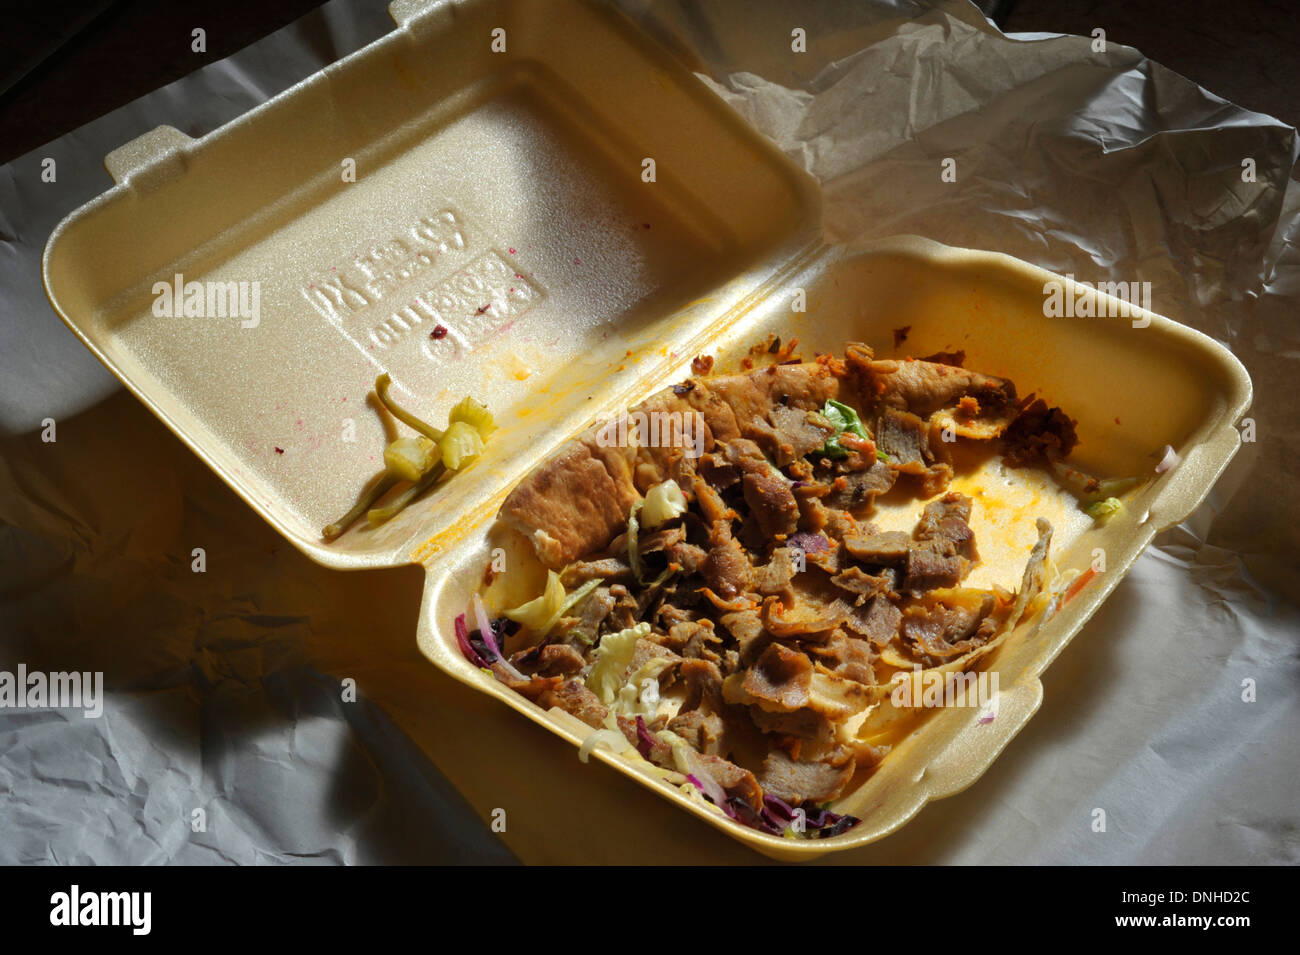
(771,608)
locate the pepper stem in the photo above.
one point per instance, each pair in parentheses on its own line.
(377,490)
(381,514)
(400,413)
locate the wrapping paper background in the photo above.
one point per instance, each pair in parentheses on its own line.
(224,687)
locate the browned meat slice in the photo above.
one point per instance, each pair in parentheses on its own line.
(947,519)
(928,569)
(878,621)
(726,569)
(533,688)
(661,753)
(608,569)
(808,616)
(798,432)
(812,513)
(767,490)
(710,503)
(881,547)
(780,679)
(943,548)
(558,659)
(574,698)
(805,724)
(799,781)
(857,489)
(905,438)
(650,649)
(718,415)
(704,692)
(848,657)
(945,621)
(718,471)
(946,630)
(669,615)
(764,436)
(1039,434)
(751,395)
(832,560)
(742,602)
(800,471)
(856,581)
(591,614)
(570,505)
(660,540)
(776,575)
(625,611)
(935,479)
(841,524)
(697,639)
(686,556)
(647,650)
(735,781)
(924,387)
(703,685)
(746,626)
(680,629)
(703,730)
(772,502)
(662,429)
(751,536)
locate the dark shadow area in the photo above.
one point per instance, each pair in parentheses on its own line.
(1243,52)
(66,62)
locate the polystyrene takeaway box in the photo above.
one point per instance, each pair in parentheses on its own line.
(583,217)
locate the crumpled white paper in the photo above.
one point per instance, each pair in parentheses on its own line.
(224,687)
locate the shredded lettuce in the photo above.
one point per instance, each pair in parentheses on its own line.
(663,502)
(682,751)
(658,581)
(541,614)
(613,657)
(844,419)
(536,613)
(633,548)
(639,694)
(610,739)
(569,602)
